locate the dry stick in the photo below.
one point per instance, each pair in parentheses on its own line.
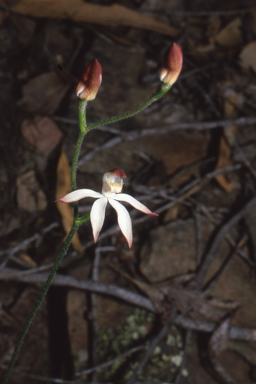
(219,237)
(94,315)
(185,357)
(136,134)
(94,311)
(29,240)
(85,372)
(111,362)
(198,235)
(228,238)
(236,333)
(220,271)
(69,281)
(148,353)
(242,156)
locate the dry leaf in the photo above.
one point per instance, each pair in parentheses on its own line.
(80,11)
(42,133)
(248,56)
(44,93)
(213,27)
(231,34)
(27,259)
(30,197)
(224,161)
(62,188)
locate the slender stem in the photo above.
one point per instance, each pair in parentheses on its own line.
(77,221)
(82,115)
(161,92)
(84,219)
(40,299)
(82,125)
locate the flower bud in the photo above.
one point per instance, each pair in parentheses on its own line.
(112,182)
(88,87)
(172,65)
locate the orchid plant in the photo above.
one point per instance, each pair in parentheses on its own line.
(112,186)
(87,90)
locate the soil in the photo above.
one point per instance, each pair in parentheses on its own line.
(179,306)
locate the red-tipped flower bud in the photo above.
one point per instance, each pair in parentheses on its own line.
(172,65)
(87,89)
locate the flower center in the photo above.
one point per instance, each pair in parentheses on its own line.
(111,184)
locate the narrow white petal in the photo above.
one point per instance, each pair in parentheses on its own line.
(124,220)
(79,194)
(135,203)
(98,216)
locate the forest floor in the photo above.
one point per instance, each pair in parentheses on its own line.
(180,305)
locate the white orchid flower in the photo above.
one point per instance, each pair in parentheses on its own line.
(111,188)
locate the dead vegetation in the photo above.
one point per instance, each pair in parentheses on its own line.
(179,307)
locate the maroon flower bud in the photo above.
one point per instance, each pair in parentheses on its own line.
(88,87)
(172,65)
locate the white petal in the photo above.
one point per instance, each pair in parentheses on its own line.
(135,203)
(98,216)
(123,219)
(79,194)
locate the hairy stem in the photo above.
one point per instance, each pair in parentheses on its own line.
(83,130)
(161,92)
(39,300)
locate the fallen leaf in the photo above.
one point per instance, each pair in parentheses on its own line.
(62,188)
(213,27)
(44,93)
(231,34)
(27,259)
(248,56)
(30,197)
(224,161)
(189,302)
(80,11)
(42,133)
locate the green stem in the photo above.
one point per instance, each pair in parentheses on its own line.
(40,299)
(77,221)
(159,93)
(84,218)
(82,124)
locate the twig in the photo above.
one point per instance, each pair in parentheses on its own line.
(220,271)
(198,235)
(242,156)
(46,379)
(207,97)
(99,148)
(164,129)
(28,241)
(111,362)
(236,333)
(184,361)
(229,239)
(94,312)
(148,353)
(219,237)
(69,281)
